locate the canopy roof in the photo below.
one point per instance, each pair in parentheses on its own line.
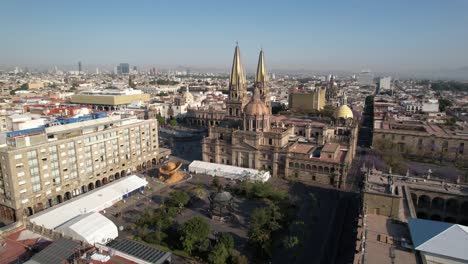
(93,201)
(439,238)
(228,171)
(91,227)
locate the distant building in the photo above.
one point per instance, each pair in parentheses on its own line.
(366,78)
(35,85)
(430,106)
(123,68)
(385,83)
(307,100)
(110,98)
(79,67)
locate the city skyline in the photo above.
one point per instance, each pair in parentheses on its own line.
(347,36)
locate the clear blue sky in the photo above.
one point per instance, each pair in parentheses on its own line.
(381,35)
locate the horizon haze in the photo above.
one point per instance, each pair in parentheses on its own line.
(400,37)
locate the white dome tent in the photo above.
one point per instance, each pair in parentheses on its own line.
(228,171)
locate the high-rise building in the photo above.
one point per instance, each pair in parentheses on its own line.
(45,166)
(79,67)
(366,78)
(307,100)
(385,83)
(123,68)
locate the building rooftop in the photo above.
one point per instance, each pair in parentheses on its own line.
(383,241)
(93,201)
(57,253)
(140,251)
(440,238)
(418,129)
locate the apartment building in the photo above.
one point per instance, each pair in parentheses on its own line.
(44,166)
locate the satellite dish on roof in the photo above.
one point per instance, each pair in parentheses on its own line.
(121,228)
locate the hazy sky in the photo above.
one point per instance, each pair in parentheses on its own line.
(339,35)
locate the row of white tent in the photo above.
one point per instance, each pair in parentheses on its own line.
(80,217)
(228,171)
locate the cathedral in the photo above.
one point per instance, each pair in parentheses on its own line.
(291,147)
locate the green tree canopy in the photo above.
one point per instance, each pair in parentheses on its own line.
(218,254)
(194,233)
(161,120)
(216,184)
(444,103)
(236,258)
(263,222)
(328,111)
(226,239)
(290,242)
(178,199)
(173,122)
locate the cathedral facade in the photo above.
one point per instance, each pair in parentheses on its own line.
(291,147)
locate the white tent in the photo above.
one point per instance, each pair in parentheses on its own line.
(93,201)
(91,227)
(228,171)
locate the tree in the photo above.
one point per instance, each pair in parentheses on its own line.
(194,233)
(263,223)
(218,254)
(276,109)
(226,239)
(160,119)
(290,242)
(173,122)
(178,199)
(216,184)
(236,258)
(450,121)
(23,87)
(328,110)
(444,103)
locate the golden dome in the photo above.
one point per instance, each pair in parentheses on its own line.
(344,112)
(256,106)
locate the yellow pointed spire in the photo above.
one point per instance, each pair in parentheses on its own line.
(237,73)
(262,75)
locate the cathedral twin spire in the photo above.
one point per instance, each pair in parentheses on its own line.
(237,82)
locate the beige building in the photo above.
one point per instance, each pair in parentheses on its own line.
(307,101)
(249,136)
(46,166)
(110,98)
(422,140)
(35,85)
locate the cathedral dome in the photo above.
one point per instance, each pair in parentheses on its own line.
(188,96)
(256,106)
(344,112)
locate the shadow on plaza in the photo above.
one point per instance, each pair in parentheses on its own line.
(329,228)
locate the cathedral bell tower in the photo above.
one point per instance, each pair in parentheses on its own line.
(261,81)
(237,89)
